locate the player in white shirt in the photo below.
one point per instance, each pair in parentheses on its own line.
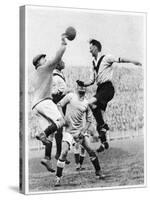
(77,108)
(102,73)
(58,91)
(46,111)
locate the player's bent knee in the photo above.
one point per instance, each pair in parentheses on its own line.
(92,154)
(64,151)
(93,157)
(63,155)
(65,146)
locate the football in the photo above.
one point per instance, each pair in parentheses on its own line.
(70,33)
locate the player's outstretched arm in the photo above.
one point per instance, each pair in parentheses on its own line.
(60,52)
(86,127)
(125,60)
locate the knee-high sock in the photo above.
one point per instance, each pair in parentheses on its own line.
(100,121)
(102,136)
(50,129)
(95,163)
(58,138)
(81,160)
(92,155)
(77,158)
(48,150)
(60,167)
(98,116)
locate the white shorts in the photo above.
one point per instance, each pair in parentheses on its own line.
(72,139)
(47,112)
(67,137)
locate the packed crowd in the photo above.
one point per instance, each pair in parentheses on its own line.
(125,111)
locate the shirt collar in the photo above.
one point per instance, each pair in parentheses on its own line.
(98,57)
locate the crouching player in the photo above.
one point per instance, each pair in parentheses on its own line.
(77,108)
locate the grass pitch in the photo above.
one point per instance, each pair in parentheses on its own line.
(122,163)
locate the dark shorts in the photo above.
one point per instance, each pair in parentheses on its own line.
(104,94)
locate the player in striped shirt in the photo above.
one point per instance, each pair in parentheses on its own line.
(102,73)
(59,90)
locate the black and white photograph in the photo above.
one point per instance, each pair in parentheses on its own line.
(82,91)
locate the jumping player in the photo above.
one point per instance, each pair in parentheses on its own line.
(46,111)
(102,73)
(77,108)
(58,91)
